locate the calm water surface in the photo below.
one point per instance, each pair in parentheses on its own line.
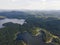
(18,21)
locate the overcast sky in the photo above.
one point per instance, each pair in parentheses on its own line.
(30,4)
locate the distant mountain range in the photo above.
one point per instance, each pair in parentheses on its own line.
(51,13)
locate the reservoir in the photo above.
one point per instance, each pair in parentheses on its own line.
(6,20)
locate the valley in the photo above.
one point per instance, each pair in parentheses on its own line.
(30,28)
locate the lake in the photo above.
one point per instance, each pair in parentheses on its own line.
(6,20)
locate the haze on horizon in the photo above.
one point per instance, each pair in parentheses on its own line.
(30,4)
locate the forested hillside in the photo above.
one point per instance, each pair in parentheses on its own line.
(40,28)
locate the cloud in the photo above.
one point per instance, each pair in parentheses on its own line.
(30,4)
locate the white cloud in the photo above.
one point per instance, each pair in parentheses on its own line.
(30,4)
(13,0)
